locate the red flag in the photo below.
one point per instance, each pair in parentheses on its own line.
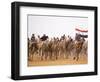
(80,30)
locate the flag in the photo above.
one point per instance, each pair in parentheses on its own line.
(81,30)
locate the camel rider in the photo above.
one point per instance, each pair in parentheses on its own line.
(77,37)
(33,38)
(44,37)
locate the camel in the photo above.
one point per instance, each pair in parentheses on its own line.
(78,48)
(56,47)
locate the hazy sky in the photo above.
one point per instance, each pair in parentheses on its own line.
(55,26)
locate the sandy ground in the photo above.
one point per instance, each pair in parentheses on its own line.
(60,61)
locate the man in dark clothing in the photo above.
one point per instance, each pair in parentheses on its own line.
(77,37)
(44,37)
(33,38)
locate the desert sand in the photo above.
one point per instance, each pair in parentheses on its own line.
(60,61)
